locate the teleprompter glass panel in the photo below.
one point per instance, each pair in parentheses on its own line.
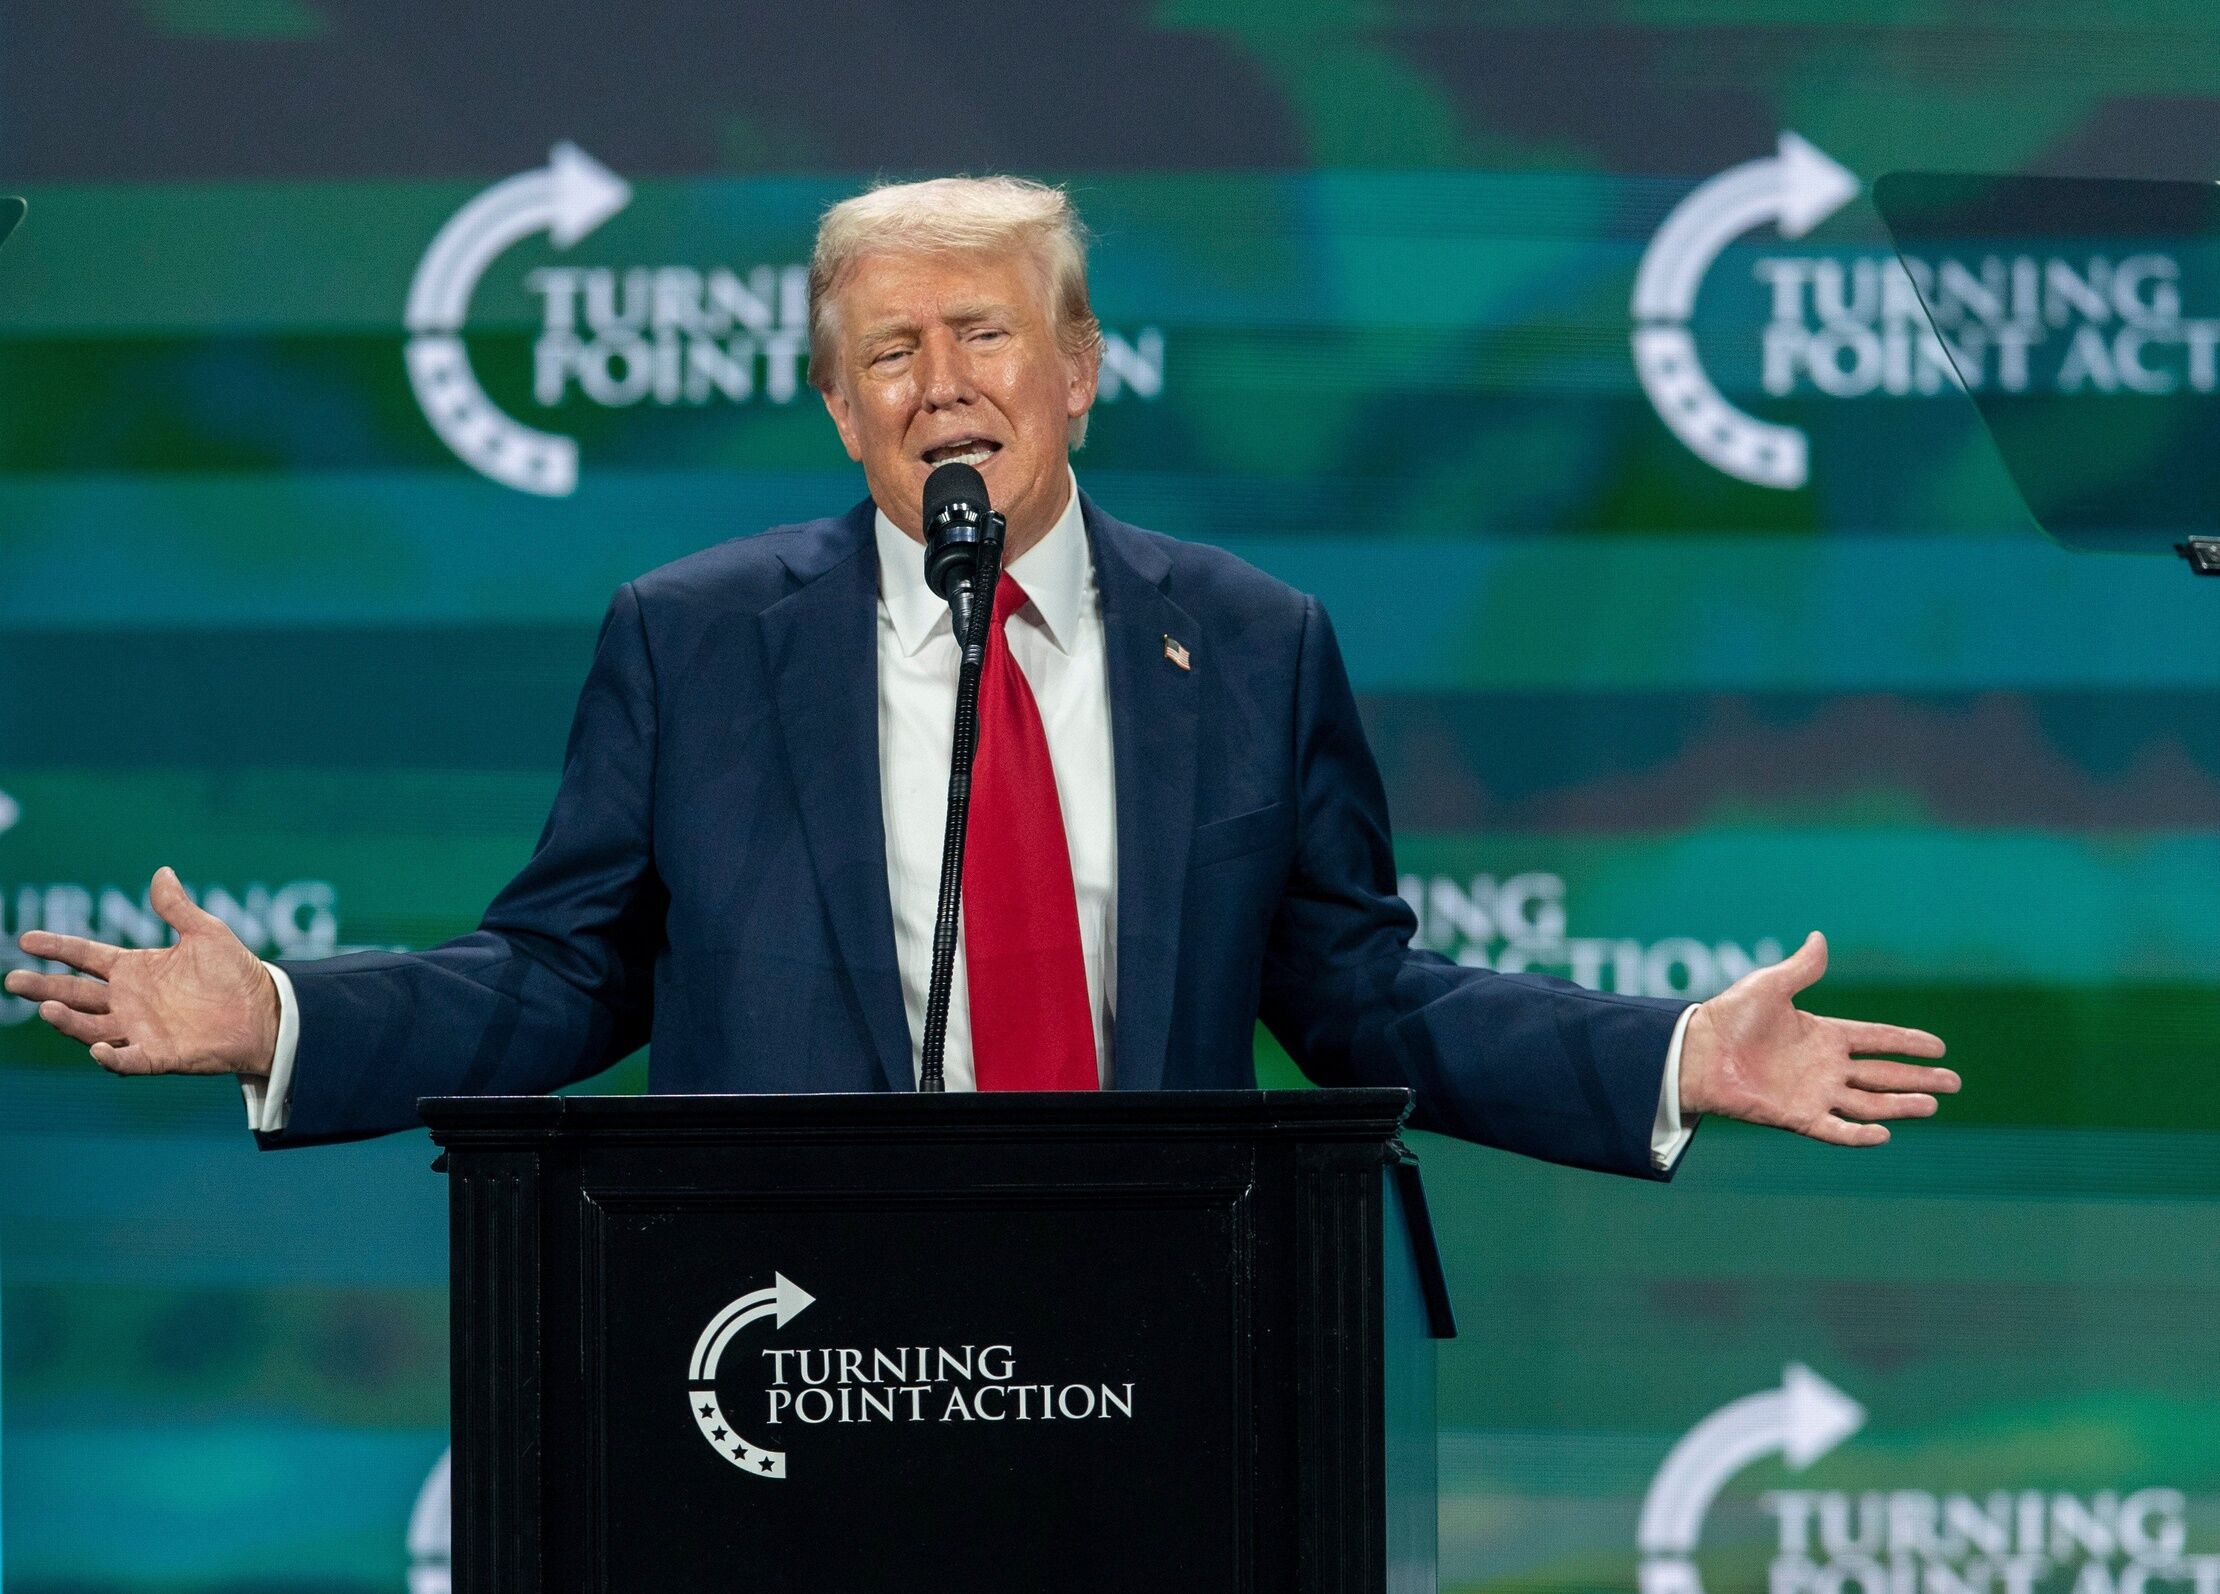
(2082,316)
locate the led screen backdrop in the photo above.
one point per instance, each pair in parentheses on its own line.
(353,353)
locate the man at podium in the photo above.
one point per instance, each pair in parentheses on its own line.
(1177,827)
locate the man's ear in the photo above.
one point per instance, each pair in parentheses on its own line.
(1081,374)
(844,420)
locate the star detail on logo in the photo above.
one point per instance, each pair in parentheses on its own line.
(774,1306)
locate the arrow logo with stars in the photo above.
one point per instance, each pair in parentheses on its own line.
(1800,1421)
(783,1300)
(1795,188)
(566,199)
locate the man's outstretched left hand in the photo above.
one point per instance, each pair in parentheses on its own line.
(1751,1053)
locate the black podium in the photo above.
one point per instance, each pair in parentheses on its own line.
(1127,1341)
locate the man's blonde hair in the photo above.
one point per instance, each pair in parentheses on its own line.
(957,216)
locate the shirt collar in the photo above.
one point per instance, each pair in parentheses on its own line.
(1054,573)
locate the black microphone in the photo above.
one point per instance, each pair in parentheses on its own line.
(963,557)
(959,524)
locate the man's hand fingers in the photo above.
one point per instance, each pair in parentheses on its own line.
(1874,1106)
(1841,1132)
(1876,1073)
(179,911)
(87,996)
(1893,1039)
(93,957)
(86,1027)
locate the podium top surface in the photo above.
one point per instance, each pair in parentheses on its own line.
(1367,1114)
(1364,1123)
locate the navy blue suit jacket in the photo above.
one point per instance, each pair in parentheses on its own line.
(713,877)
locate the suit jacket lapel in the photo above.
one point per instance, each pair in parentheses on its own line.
(1153,715)
(821,646)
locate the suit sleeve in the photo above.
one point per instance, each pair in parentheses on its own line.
(556,983)
(1523,1062)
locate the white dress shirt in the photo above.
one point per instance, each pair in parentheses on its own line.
(1057,641)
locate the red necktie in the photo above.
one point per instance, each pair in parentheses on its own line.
(1030,1024)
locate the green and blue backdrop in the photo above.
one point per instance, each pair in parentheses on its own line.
(1556,346)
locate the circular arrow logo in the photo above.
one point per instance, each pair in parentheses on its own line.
(1796,189)
(782,1301)
(1800,1421)
(566,199)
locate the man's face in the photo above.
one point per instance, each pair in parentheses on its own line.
(955,357)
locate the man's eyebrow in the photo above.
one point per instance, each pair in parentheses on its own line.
(968,313)
(973,311)
(893,327)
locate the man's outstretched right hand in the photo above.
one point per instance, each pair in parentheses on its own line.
(203,1006)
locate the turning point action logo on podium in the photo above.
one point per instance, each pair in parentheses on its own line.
(869,1385)
(782,1301)
(2001,1540)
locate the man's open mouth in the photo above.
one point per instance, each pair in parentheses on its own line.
(973,451)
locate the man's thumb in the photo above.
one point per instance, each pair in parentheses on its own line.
(1803,967)
(178,910)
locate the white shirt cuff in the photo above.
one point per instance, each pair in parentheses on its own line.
(1668,1135)
(269,1099)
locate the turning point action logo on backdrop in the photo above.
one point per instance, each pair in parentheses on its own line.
(567,199)
(874,1384)
(1905,1540)
(1518,924)
(298,919)
(670,336)
(1795,189)
(1851,326)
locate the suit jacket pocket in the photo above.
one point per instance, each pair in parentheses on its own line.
(1238,836)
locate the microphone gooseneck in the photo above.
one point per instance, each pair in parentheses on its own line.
(963,564)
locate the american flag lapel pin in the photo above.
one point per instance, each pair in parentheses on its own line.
(1177,653)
